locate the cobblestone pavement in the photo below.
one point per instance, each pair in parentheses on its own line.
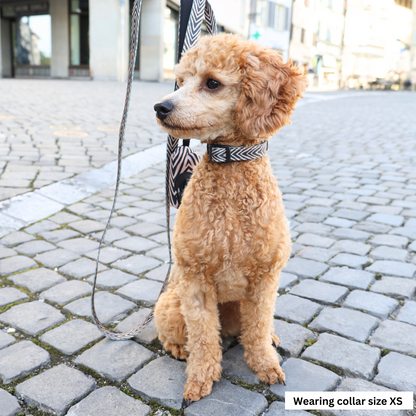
(53,130)
(346,310)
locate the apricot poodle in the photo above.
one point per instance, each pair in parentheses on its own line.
(231,237)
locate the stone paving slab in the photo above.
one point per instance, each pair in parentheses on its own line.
(32,317)
(16,264)
(227,399)
(395,336)
(65,292)
(278,409)
(136,264)
(21,359)
(81,268)
(319,291)
(34,247)
(393,268)
(72,336)
(305,268)
(112,279)
(78,245)
(162,380)
(356,384)
(57,236)
(292,337)
(10,295)
(115,360)
(148,335)
(399,287)
(346,322)
(109,307)
(304,376)
(353,279)
(56,389)
(352,358)
(142,290)
(9,404)
(6,339)
(6,252)
(16,238)
(389,240)
(408,313)
(37,280)
(296,309)
(109,401)
(56,258)
(397,371)
(375,304)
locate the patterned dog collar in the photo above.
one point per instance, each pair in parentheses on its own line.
(221,153)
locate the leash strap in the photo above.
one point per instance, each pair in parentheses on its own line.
(196,10)
(221,153)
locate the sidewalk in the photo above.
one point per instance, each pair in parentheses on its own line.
(346,311)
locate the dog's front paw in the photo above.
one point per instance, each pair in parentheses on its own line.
(178,351)
(267,367)
(199,384)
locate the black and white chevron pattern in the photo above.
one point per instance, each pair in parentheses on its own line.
(193,31)
(236,154)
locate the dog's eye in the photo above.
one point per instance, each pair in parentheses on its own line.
(212,84)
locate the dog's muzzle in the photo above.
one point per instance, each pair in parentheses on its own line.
(163,109)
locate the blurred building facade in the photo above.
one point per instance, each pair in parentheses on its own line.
(345,43)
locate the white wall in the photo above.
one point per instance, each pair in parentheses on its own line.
(151,40)
(109,39)
(60,38)
(5,49)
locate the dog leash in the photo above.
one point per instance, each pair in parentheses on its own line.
(193,13)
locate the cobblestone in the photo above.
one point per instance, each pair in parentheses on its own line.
(9,404)
(296,309)
(65,292)
(162,380)
(346,322)
(109,401)
(397,371)
(56,389)
(377,305)
(321,292)
(10,295)
(228,399)
(5,340)
(56,258)
(142,290)
(304,376)
(352,358)
(16,264)
(115,360)
(350,260)
(408,313)
(72,336)
(37,280)
(109,307)
(353,279)
(21,359)
(370,179)
(395,336)
(399,287)
(278,409)
(305,268)
(393,268)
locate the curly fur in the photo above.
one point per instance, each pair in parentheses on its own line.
(231,238)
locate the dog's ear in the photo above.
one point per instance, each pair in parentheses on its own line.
(269,92)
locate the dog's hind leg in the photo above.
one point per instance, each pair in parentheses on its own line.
(230,318)
(170,323)
(256,329)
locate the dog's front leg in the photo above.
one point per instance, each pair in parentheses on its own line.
(257,309)
(200,309)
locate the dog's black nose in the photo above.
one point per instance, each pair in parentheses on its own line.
(163,109)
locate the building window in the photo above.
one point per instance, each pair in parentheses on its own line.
(278,17)
(262,13)
(79,33)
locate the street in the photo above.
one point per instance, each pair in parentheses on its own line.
(346,310)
